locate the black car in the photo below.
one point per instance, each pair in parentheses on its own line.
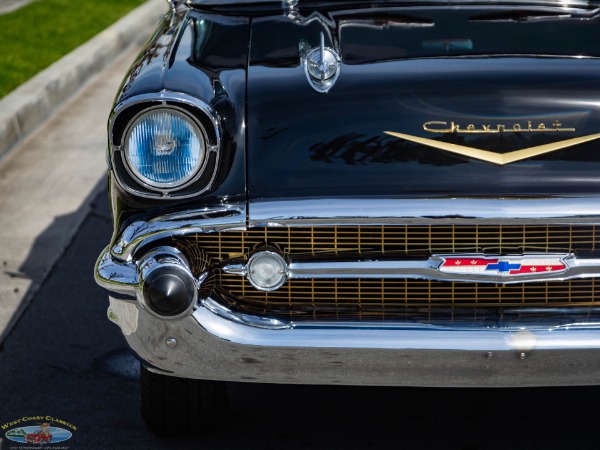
(350,192)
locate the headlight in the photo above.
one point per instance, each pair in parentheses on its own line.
(164,148)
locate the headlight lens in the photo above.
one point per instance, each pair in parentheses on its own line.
(164,148)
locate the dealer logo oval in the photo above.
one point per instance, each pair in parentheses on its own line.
(39,434)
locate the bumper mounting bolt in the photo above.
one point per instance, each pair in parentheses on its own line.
(171,342)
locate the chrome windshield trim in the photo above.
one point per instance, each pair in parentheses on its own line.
(429,211)
(205,220)
(427,269)
(575,5)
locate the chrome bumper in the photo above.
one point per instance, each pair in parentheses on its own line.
(211,344)
(215,343)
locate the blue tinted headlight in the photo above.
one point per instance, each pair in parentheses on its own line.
(164,148)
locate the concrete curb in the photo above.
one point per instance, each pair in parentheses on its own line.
(8,6)
(30,105)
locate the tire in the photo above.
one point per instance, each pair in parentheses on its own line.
(173,406)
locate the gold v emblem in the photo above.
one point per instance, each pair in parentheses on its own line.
(496,158)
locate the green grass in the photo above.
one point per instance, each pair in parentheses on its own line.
(40,33)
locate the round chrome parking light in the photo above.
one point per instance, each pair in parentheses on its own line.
(267,271)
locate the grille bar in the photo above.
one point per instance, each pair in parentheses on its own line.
(542,267)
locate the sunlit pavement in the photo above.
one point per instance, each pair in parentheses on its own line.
(45,185)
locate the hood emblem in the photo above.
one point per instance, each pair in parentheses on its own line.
(496,158)
(502,266)
(435,126)
(322,67)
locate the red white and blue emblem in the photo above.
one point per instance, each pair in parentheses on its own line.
(502,266)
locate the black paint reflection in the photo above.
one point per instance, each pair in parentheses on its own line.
(156,53)
(360,149)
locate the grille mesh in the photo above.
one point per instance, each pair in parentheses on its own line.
(362,298)
(387,240)
(383,298)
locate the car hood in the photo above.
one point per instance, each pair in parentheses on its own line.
(385,127)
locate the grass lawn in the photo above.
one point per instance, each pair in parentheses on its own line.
(38,34)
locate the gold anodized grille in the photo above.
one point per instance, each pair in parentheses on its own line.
(387,240)
(383,297)
(367,298)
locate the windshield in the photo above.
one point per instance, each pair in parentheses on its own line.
(463,32)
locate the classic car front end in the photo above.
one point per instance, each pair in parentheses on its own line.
(376,193)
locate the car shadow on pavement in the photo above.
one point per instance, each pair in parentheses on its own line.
(48,248)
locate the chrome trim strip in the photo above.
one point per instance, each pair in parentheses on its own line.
(426,211)
(205,220)
(574,6)
(427,270)
(245,319)
(397,335)
(363,269)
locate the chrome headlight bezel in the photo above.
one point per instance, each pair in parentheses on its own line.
(204,119)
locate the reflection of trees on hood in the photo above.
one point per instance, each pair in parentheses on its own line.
(356,148)
(326,151)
